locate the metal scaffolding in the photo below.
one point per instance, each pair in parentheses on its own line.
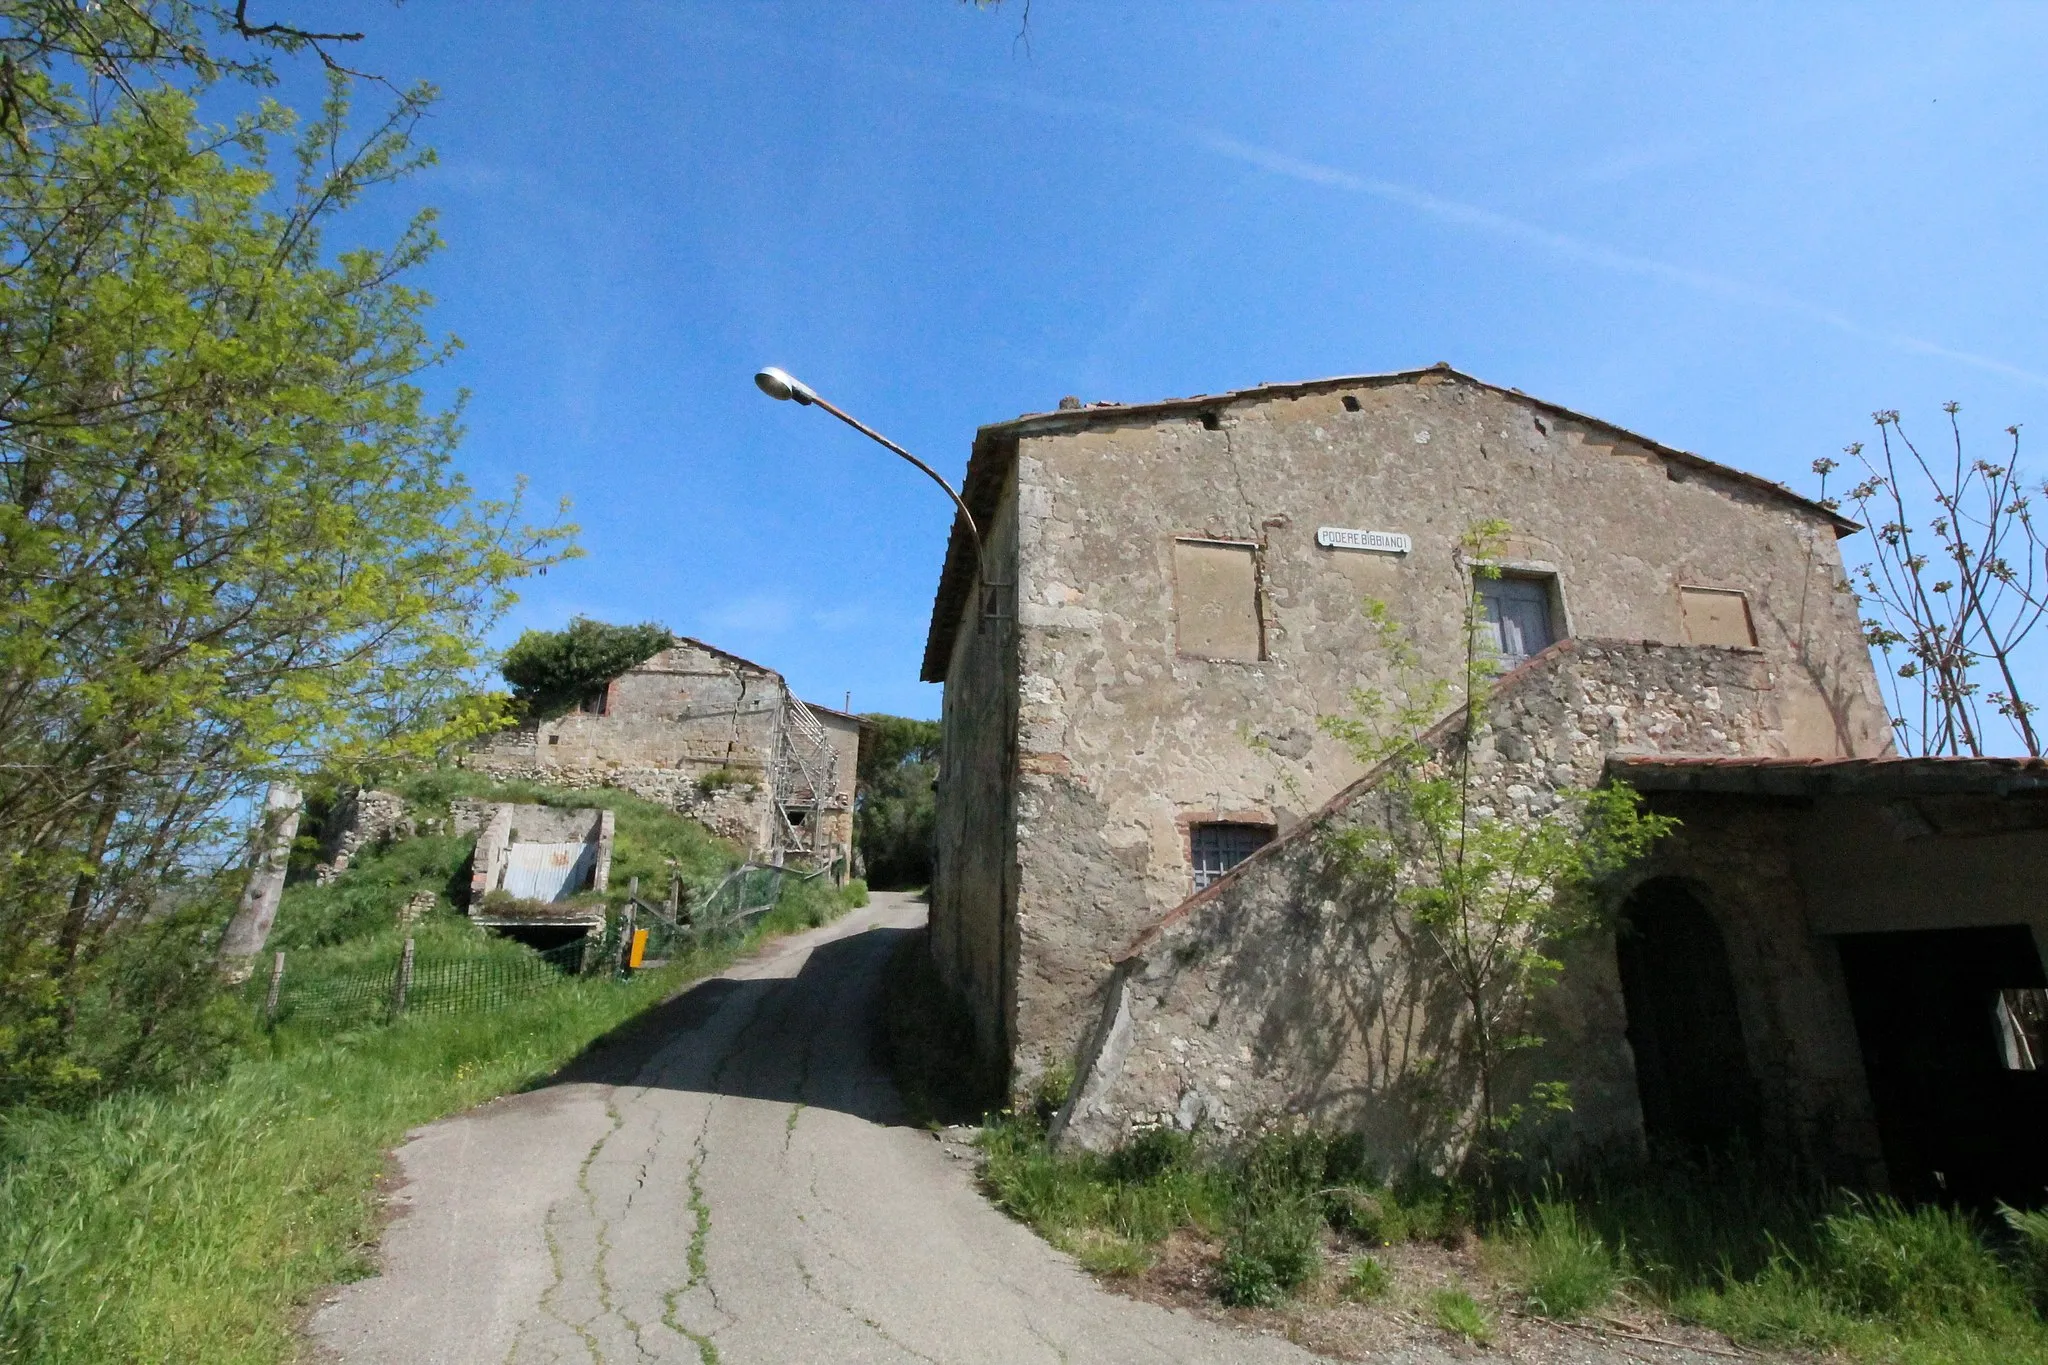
(804,784)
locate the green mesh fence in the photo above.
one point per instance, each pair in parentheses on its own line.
(371,994)
(316,991)
(748,888)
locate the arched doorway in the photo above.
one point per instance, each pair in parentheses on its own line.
(1692,1069)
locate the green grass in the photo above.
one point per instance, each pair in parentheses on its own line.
(195,1225)
(1884,1282)
(1458,1312)
(1564,1267)
(1365,1279)
(1768,1263)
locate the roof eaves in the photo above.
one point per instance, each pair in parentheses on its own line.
(1893,775)
(1047,423)
(998,441)
(721,653)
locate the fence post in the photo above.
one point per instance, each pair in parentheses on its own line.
(276,982)
(675,899)
(404,980)
(626,918)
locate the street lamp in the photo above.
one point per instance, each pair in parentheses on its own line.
(784,387)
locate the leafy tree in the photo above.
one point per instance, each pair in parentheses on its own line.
(552,670)
(232,547)
(1495,894)
(1957,584)
(894,804)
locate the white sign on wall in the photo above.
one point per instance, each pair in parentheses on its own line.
(1343,538)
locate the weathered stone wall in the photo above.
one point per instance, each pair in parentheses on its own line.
(356,821)
(692,728)
(1123,742)
(973,926)
(1799,1036)
(1286,989)
(1783,872)
(837,821)
(684,714)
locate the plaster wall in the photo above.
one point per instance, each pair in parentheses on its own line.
(837,821)
(1122,742)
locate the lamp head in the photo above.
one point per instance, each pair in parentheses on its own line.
(781,384)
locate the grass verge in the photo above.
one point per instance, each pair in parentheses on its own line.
(195,1225)
(1727,1249)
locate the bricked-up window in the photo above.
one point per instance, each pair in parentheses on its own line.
(1216,848)
(1518,615)
(1715,616)
(1216,600)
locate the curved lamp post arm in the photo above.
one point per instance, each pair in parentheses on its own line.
(974,531)
(783,385)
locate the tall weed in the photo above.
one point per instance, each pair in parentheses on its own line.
(1563,1266)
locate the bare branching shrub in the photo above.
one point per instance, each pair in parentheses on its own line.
(1955,588)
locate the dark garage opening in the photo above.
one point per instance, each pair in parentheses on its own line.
(543,937)
(1692,1069)
(1959,1116)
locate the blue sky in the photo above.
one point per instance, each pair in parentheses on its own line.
(1736,229)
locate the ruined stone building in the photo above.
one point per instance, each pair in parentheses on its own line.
(718,737)
(1129,879)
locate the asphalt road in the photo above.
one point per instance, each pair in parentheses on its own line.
(733,1183)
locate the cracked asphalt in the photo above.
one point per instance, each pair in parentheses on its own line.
(732,1182)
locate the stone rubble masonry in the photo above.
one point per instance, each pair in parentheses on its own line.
(1081,744)
(694,729)
(359,819)
(1282,991)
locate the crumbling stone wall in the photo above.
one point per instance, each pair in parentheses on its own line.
(1284,990)
(356,821)
(1121,742)
(692,728)
(688,714)
(1740,861)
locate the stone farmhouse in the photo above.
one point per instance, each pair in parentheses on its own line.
(1129,877)
(720,738)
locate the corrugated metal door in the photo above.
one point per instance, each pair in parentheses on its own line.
(548,872)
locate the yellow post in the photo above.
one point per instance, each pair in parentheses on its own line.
(639,948)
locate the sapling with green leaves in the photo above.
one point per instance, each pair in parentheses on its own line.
(1495,893)
(234,547)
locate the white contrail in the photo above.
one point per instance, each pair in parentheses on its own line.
(1575,248)
(1469,216)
